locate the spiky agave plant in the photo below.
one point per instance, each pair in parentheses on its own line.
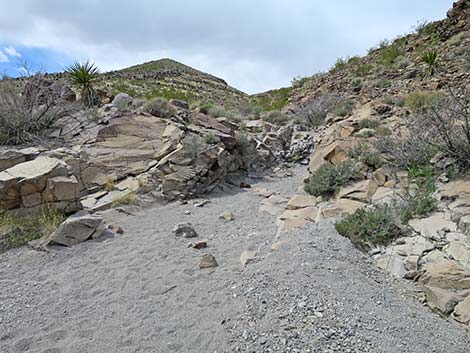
(83,76)
(430,58)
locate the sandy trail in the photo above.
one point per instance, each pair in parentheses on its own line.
(143,291)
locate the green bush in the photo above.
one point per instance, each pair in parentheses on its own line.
(247,148)
(344,108)
(363,70)
(339,64)
(159,107)
(369,123)
(217,111)
(16,231)
(275,117)
(368,227)
(356,82)
(211,139)
(390,54)
(420,203)
(329,178)
(298,82)
(367,155)
(418,102)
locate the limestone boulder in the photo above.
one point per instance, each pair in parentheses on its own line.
(122,100)
(11,157)
(43,181)
(334,153)
(301,201)
(362,191)
(434,225)
(210,123)
(462,311)
(460,251)
(341,208)
(273,205)
(446,285)
(454,189)
(77,228)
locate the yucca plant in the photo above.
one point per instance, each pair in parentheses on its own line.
(430,58)
(83,76)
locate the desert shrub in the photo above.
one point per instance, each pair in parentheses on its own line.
(110,184)
(367,155)
(369,123)
(429,57)
(356,82)
(406,150)
(138,103)
(83,76)
(390,54)
(425,28)
(126,200)
(402,62)
(329,178)
(363,70)
(247,148)
(339,64)
(275,117)
(159,107)
(314,112)
(217,111)
(211,139)
(447,127)
(369,227)
(194,144)
(418,102)
(28,116)
(344,108)
(16,231)
(383,131)
(382,83)
(365,133)
(299,81)
(419,202)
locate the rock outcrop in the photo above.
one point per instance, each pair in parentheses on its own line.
(37,184)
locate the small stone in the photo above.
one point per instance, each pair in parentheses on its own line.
(187,213)
(184,230)
(201,203)
(200,244)
(227,216)
(116,229)
(244,185)
(207,261)
(247,256)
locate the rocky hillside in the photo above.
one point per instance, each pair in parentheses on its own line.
(172,80)
(395,68)
(392,154)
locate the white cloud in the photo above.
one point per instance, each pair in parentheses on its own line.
(12,52)
(3,58)
(254,45)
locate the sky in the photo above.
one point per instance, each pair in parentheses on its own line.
(255,45)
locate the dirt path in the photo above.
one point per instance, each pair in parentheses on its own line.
(143,291)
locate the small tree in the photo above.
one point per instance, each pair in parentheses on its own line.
(83,76)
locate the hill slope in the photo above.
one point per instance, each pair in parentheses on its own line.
(395,68)
(171,79)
